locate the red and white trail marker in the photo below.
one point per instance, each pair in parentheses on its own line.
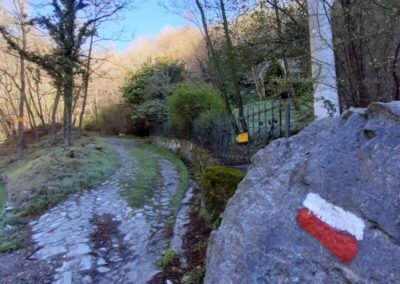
(335,228)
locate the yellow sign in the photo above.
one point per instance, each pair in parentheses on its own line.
(242,138)
(20,119)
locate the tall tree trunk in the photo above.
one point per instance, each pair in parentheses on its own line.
(396,80)
(326,99)
(68,71)
(86,81)
(257,83)
(233,68)
(280,34)
(218,78)
(68,100)
(22,98)
(32,120)
(54,114)
(38,108)
(4,124)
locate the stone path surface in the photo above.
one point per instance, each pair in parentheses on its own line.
(95,237)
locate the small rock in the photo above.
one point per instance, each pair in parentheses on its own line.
(115,258)
(103,269)
(67,277)
(101,261)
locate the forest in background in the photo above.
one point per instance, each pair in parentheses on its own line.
(230,54)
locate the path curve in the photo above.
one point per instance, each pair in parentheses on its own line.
(95,237)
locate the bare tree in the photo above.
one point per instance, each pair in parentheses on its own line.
(69,36)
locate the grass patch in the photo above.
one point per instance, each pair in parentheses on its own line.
(11,233)
(168,258)
(182,171)
(3,196)
(140,188)
(176,161)
(183,176)
(44,175)
(43,178)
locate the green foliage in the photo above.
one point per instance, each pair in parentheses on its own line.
(146,90)
(274,73)
(203,127)
(218,184)
(188,101)
(3,196)
(196,276)
(11,237)
(140,188)
(168,258)
(150,111)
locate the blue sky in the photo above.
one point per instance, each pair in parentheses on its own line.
(146,19)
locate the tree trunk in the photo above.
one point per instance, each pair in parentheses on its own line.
(22,98)
(213,58)
(68,99)
(280,34)
(326,99)
(258,82)
(54,114)
(3,120)
(38,108)
(233,68)
(86,81)
(68,71)
(32,120)
(396,80)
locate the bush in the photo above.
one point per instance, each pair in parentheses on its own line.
(168,258)
(203,128)
(146,90)
(218,184)
(186,104)
(196,276)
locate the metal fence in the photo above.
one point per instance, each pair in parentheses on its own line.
(266,120)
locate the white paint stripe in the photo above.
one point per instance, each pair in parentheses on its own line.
(335,216)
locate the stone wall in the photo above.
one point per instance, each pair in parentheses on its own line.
(199,158)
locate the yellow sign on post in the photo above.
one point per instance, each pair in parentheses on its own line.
(20,119)
(242,138)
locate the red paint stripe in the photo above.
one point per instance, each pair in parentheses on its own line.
(342,245)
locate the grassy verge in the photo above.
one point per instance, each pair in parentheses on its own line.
(3,196)
(140,188)
(183,176)
(144,153)
(44,175)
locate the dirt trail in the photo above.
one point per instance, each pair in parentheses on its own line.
(95,237)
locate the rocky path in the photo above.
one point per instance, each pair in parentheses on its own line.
(95,237)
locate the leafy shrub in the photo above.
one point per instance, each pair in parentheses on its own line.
(218,184)
(203,127)
(188,101)
(168,258)
(146,90)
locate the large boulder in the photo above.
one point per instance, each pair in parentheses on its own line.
(320,207)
